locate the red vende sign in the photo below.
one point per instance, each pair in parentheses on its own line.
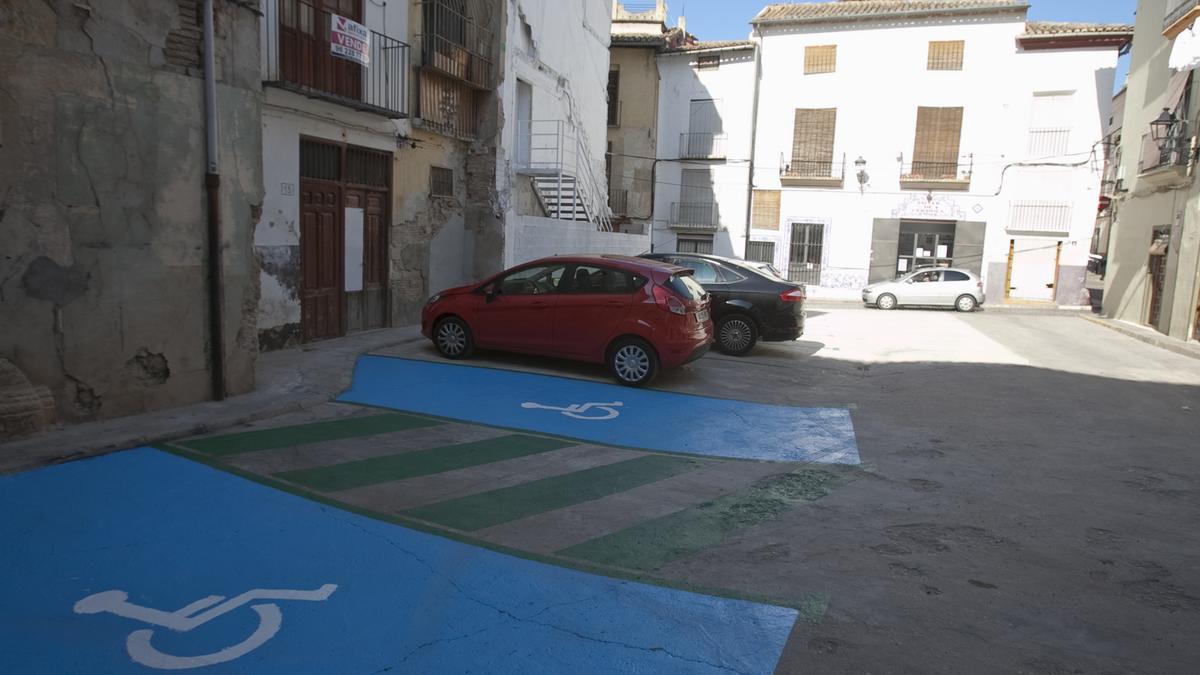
(349,40)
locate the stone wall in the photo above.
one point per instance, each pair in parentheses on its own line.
(103,281)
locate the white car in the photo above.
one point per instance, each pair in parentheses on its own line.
(930,286)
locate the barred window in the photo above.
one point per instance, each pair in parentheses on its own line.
(709,61)
(820,59)
(945,55)
(694,245)
(812,142)
(441,182)
(765,210)
(761,251)
(935,149)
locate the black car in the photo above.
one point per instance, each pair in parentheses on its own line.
(750,302)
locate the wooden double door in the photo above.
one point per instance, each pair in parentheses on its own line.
(335,180)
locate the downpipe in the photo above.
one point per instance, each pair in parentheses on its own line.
(212,187)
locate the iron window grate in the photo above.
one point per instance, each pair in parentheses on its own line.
(441,182)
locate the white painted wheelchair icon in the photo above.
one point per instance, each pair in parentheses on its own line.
(192,616)
(579,411)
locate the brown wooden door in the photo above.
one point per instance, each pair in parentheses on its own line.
(1158,280)
(322,260)
(368,308)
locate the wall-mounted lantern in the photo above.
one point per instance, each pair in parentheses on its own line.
(1162,127)
(863,176)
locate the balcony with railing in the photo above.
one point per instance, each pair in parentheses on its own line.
(1165,160)
(1048,142)
(931,175)
(455,43)
(812,173)
(298,56)
(702,145)
(696,216)
(1180,15)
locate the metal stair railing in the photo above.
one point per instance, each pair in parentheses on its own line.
(549,149)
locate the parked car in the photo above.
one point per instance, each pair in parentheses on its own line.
(633,314)
(750,301)
(932,286)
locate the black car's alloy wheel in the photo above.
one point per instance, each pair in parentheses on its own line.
(633,362)
(452,337)
(736,334)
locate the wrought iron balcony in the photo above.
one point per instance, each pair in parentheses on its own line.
(930,175)
(812,173)
(455,43)
(702,145)
(297,56)
(694,216)
(1168,155)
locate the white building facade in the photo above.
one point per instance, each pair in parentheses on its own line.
(891,136)
(551,170)
(705,130)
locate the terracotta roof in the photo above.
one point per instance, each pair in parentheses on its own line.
(714,45)
(637,40)
(1057,28)
(838,10)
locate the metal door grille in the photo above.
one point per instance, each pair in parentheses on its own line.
(367,167)
(808,243)
(320,161)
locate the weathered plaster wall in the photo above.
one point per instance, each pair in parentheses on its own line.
(102,211)
(542,237)
(635,135)
(427,234)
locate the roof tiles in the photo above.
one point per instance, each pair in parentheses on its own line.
(804,12)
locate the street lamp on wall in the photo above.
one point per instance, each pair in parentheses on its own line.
(863,176)
(1162,127)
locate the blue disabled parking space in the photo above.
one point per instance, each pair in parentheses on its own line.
(143,561)
(607,413)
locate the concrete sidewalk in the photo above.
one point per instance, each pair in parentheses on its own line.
(289,380)
(1147,335)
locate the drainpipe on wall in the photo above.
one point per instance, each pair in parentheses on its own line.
(212,187)
(753,142)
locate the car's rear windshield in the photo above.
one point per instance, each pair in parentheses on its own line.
(685,286)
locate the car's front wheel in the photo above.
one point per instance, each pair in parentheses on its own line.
(736,334)
(452,337)
(965,303)
(886,301)
(633,362)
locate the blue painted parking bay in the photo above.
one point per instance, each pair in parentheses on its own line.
(142,560)
(634,418)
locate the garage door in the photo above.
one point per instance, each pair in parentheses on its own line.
(1033,264)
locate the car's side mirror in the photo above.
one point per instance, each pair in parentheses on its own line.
(908,281)
(489,293)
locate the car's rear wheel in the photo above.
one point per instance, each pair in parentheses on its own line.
(886,301)
(633,362)
(452,337)
(965,303)
(736,334)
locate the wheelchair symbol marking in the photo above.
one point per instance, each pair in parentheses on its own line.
(579,410)
(196,614)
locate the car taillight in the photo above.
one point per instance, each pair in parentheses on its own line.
(794,295)
(668,301)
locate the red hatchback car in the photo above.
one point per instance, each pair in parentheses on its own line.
(635,315)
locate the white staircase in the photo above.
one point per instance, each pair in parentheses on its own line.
(560,197)
(554,155)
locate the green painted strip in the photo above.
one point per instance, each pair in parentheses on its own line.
(421,526)
(420,462)
(316,432)
(486,509)
(654,543)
